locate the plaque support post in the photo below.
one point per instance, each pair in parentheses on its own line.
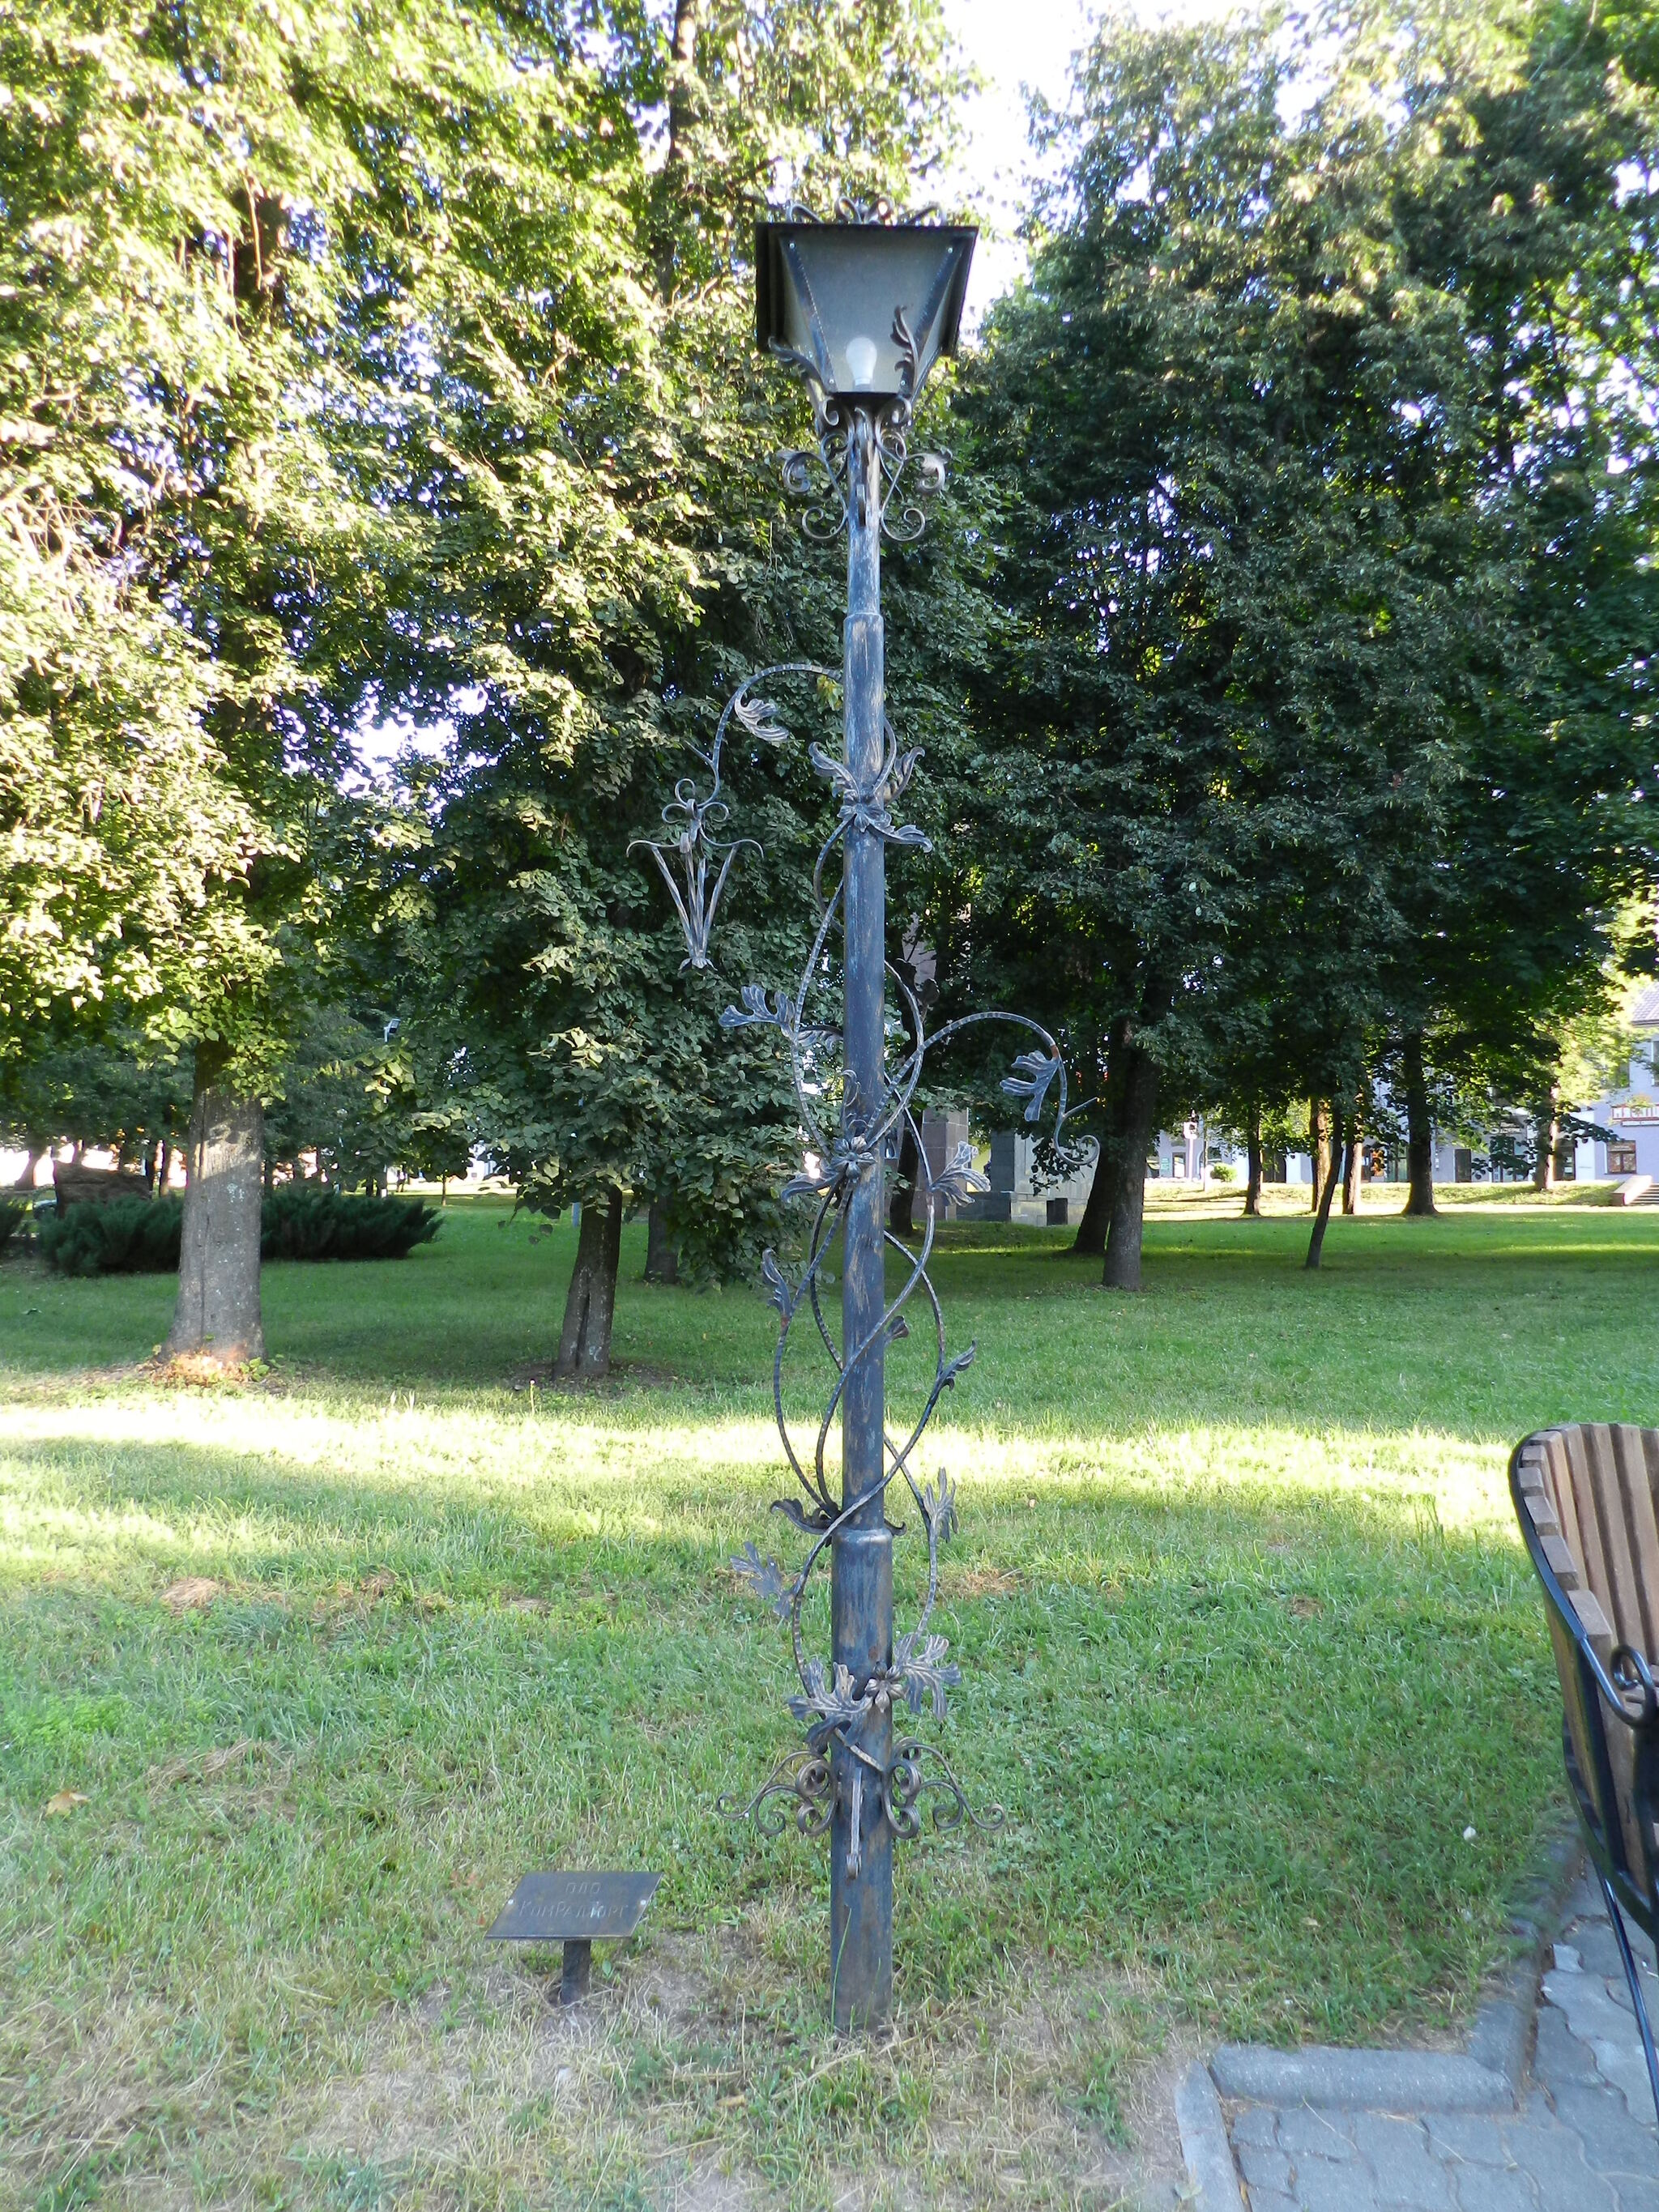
(577,1971)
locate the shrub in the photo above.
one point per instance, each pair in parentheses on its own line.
(298,1221)
(14,1213)
(128,1237)
(313,1221)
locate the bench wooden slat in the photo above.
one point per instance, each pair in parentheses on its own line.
(1563,1564)
(1541,1513)
(1596,1625)
(1582,1523)
(1559,1474)
(1636,1495)
(1606,1557)
(1612,1561)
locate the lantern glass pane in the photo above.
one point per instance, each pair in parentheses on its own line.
(840,289)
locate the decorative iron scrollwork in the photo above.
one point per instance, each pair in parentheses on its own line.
(907,1779)
(880,211)
(843,426)
(802,1777)
(695,847)
(833,1708)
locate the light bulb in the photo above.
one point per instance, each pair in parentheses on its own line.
(861,357)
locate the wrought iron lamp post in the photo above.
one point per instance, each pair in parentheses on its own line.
(862,311)
(859,309)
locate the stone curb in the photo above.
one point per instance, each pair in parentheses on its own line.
(1204,2145)
(1360,2081)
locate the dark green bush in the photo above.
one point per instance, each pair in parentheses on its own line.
(298,1221)
(128,1237)
(13,1215)
(313,1221)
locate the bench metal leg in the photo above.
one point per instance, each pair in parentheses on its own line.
(1628,1962)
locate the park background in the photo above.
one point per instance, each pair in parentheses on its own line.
(387,492)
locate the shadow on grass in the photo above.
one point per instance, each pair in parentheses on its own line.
(1475,1327)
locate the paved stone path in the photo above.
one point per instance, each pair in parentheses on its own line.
(1582,2138)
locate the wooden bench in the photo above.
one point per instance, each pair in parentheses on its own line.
(1587,1498)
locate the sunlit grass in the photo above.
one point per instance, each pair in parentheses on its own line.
(1248,1643)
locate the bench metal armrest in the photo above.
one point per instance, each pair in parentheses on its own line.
(1628,1676)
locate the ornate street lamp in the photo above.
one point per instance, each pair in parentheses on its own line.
(859,309)
(865,309)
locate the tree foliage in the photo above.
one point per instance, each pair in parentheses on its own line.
(1307,724)
(581,644)
(1282,655)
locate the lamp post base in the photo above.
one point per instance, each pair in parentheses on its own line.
(861,1837)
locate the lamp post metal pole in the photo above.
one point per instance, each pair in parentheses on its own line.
(861,1574)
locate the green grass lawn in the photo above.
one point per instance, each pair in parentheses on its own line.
(1247,1639)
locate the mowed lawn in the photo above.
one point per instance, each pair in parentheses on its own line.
(1248,1645)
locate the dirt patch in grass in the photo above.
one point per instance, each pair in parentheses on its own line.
(683,2077)
(191,1594)
(209,1765)
(200,1370)
(980,1582)
(686,2082)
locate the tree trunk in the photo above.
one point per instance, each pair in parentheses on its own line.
(1091,1226)
(590,1305)
(662,1261)
(683,55)
(1546,1136)
(1353,1167)
(218,1315)
(1326,1192)
(25,1180)
(1135,1125)
(682,62)
(1253,1179)
(1420,1131)
(901,1207)
(1319,1146)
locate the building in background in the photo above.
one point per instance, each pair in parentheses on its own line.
(1630,1110)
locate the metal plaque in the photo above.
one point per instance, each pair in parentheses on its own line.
(562,1908)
